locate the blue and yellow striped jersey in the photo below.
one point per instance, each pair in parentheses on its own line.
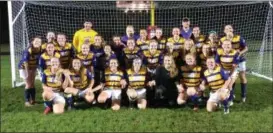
(226,60)
(191,77)
(87,60)
(111,79)
(81,79)
(48,78)
(143,45)
(152,60)
(137,80)
(44,61)
(66,53)
(215,79)
(30,58)
(177,44)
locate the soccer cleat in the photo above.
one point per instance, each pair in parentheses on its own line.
(27,104)
(47,110)
(226,111)
(230,103)
(244,99)
(195,108)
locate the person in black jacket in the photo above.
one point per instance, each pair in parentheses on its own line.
(166,81)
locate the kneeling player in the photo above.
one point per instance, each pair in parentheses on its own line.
(191,80)
(82,80)
(137,81)
(114,81)
(218,83)
(52,80)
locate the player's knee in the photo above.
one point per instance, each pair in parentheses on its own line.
(115,107)
(89,98)
(180,101)
(102,98)
(142,104)
(191,91)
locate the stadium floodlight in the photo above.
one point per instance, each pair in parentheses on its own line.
(251,19)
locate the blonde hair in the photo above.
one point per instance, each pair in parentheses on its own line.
(173,69)
(192,49)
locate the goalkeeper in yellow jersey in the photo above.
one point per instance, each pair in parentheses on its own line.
(86,34)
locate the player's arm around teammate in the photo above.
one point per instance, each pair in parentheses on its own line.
(27,69)
(114,81)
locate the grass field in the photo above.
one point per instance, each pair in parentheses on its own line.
(253,116)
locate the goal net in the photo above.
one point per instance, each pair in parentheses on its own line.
(252,20)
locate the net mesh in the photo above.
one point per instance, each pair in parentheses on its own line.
(252,20)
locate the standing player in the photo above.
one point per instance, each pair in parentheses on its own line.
(130,33)
(66,51)
(87,58)
(218,83)
(177,41)
(113,80)
(186,31)
(161,40)
(143,42)
(50,38)
(239,44)
(86,34)
(27,68)
(213,41)
(137,79)
(50,52)
(130,52)
(198,38)
(190,81)
(228,59)
(53,86)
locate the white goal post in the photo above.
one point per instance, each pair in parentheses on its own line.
(251,19)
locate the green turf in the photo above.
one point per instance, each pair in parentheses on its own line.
(253,116)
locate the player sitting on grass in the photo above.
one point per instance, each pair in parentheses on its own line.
(82,81)
(137,79)
(113,80)
(27,68)
(228,60)
(218,83)
(53,85)
(190,81)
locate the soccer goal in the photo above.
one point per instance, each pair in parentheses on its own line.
(252,20)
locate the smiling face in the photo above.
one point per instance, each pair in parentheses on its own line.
(143,34)
(196,31)
(212,36)
(186,24)
(190,59)
(205,49)
(76,64)
(210,63)
(50,36)
(131,44)
(85,49)
(158,33)
(55,63)
(176,32)
(87,25)
(61,39)
(50,48)
(153,47)
(37,42)
(98,41)
(228,28)
(227,46)
(130,31)
(116,40)
(107,49)
(113,64)
(188,44)
(170,46)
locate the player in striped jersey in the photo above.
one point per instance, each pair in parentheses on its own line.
(176,54)
(213,41)
(190,81)
(50,38)
(87,57)
(50,52)
(137,80)
(65,49)
(81,83)
(53,86)
(113,80)
(228,59)
(188,47)
(143,42)
(198,38)
(130,52)
(27,69)
(202,57)
(161,40)
(152,57)
(239,44)
(177,41)
(130,33)
(218,83)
